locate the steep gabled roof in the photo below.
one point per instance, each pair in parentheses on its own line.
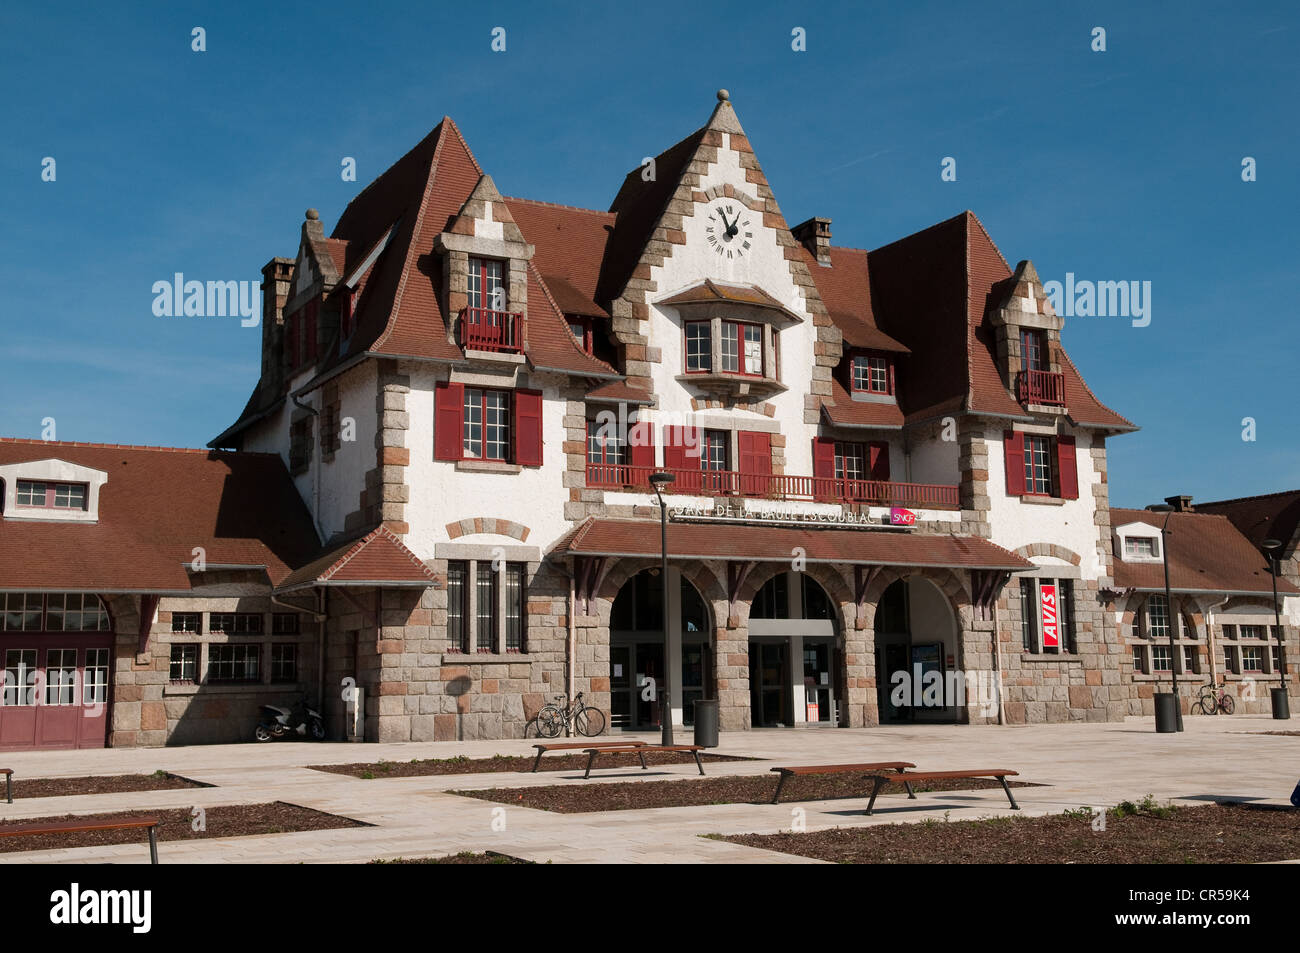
(845,289)
(158,505)
(378,558)
(1206,554)
(570,248)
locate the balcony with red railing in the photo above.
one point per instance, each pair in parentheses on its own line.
(502,332)
(1041,387)
(775,486)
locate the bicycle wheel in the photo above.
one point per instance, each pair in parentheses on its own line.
(1207,705)
(590,722)
(549,721)
(1228,704)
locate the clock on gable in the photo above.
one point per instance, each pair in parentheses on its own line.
(728,229)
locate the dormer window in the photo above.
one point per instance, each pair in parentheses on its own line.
(1142,547)
(55,496)
(580,328)
(872,374)
(1033,349)
(487,284)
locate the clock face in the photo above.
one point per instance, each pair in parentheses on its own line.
(728,229)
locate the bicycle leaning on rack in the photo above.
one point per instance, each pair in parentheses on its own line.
(586,720)
(1215,699)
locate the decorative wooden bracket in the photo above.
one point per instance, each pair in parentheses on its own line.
(589,573)
(986,586)
(148,606)
(863,577)
(737,573)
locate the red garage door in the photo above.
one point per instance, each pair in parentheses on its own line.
(57,655)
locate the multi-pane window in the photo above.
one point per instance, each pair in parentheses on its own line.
(75,612)
(1033,350)
(191,622)
(742,348)
(699,347)
(185,662)
(1161,659)
(1276,655)
(1140,659)
(850,461)
(22,611)
(60,496)
(236,623)
(1038,609)
(487,284)
(485,616)
(234,662)
(1252,631)
(1191,659)
(95,685)
(457,607)
(1140,546)
(1252,658)
(1038,464)
(284,662)
(871,373)
(581,330)
(486,424)
(20,677)
(605,445)
(284,623)
(1157,617)
(515,619)
(713,450)
(60,676)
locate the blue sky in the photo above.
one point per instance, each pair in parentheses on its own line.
(1122,165)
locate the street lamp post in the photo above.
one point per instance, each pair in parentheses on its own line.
(1281,704)
(1169,615)
(659,480)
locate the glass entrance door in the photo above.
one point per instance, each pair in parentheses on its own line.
(818,682)
(769,696)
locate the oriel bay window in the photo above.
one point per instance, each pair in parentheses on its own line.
(699,347)
(488,615)
(1041,465)
(494,426)
(741,348)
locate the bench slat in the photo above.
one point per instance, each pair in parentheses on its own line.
(937,775)
(844,768)
(75,827)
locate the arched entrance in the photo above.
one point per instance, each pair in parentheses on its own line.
(916,651)
(636,650)
(794,654)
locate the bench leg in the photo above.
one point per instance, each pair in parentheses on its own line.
(1006,787)
(9,787)
(153,846)
(879,783)
(537,761)
(590,760)
(779,785)
(698,763)
(641,755)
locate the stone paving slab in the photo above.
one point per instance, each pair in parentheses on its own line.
(1080,764)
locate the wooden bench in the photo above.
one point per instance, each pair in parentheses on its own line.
(641,749)
(583,745)
(811,769)
(9,783)
(90,824)
(906,779)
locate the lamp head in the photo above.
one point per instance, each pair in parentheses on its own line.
(661,479)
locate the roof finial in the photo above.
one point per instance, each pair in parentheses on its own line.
(312,215)
(723,95)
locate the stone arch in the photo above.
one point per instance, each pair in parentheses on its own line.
(947,581)
(831,580)
(1049,549)
(471,525)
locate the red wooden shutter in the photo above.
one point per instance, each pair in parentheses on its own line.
(755,452)
(641,445)
(1067,469)
(824,457)
(528,428)
(448,415)
(674,448)
(878,460)
(1013,445)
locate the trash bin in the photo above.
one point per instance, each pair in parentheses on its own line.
(1281,704)
(1166,712)
(706,723)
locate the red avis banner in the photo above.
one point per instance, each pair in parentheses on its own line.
(1047,600)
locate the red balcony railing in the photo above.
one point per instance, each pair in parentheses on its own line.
(482,329)
(775,487)
(1041,387)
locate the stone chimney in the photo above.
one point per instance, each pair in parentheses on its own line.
(276,275)
(815,235)
(1181,504)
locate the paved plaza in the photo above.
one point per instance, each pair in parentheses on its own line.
(1078,764)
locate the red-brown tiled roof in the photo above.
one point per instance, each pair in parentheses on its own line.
(157,506)
(708,291)
(848,412)
(845,289)
(378,558)
(619,392)
(570,246)
(1206,554)
(607,537)
(1272,516)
